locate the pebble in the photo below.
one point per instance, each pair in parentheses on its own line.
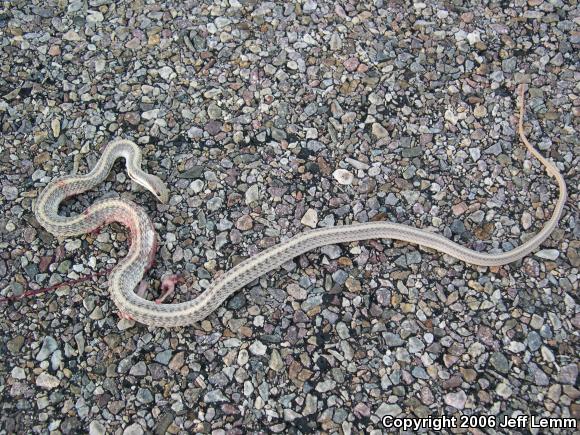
(548,254)
(18,373)
(252,194)
(258,348)
(72,36)
(457,399)
(244,223)
(499,362)
(568,374)
(534,341)
(48,381)
(344,177)
(393,410)
(164,357)
(97,428)
(10,192)
(214,396)
(139,369)
(133,429)
(150,114)
(49,345)
(379,131)
(504,390)
(276,362)
(475,154)
(325,386)
(94,17)
(351,64)
(310,218)
(165,72)
(214,203)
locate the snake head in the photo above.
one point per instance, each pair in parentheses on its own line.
(157,187)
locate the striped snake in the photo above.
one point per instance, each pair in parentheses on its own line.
(127,276)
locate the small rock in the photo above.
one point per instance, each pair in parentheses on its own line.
(388,409)
(164,357)
(10,192)
(133,44)
(526,220)
(45,380)
(325,386)
(144,395)
(379,131)
(252,194)
(457,400)
(475,154)
(133,429)
(54,50)
(258,348)
(276,362)
(548,254)
(165,72)
(568,374)
(214,203)
(309,6)
(18,373)
(139,369)
(392,340)
(94,17)
(55,126)
(49,345)
(310,218)
(71,35)
(534,341)
(213,127)
(499,362)
(473,37)
(151,114)
(195,133)
(415,345)
(351,64)
(344,177)
(97,428)
(214,396)
(177,361)
(504,390)
(480,111)
(214,111)
(245,223)
(335,42)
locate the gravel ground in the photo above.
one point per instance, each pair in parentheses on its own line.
(266,118)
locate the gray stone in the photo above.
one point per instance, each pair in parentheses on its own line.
(144,395)
(164,357)
(49,345)
(499,362)
(392,340)
(139,369)
(457,400)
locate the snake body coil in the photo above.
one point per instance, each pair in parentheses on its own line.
(127,275)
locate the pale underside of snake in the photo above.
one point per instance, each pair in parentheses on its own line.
(126,277)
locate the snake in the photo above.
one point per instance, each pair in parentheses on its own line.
(127,276)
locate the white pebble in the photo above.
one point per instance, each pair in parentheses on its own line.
(258,348)
(310,218)
(45,380)
(548,254)
(18,373)
(343,177)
